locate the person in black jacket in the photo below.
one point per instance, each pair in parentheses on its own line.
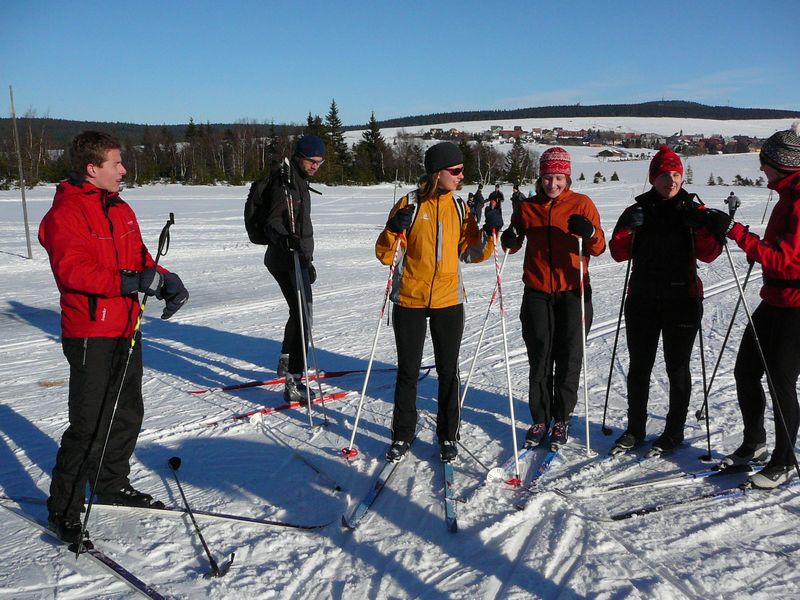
(662,235)
(290,231)
(496,199)
(479,201)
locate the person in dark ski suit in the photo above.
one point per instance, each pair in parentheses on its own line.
(100,265)
(290,232)
(516,198)
(550,223)
(662,237)
(496,199)
(776,319)
(479,202)
(436,233)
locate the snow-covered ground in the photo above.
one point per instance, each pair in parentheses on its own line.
(230,331)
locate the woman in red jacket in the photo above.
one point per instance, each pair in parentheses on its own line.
(664,297)
(776,319)
(550,222)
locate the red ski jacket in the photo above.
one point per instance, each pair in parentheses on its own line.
(91,235)
(778,252)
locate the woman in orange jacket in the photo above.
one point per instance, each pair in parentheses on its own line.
(551,221)
(435,232)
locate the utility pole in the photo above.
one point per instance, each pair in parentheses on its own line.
(21,174)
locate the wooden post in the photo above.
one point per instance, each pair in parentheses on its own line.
(21,174)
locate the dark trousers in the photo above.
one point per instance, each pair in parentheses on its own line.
(293,342)
(676,321)
(447,328)
(778,331)
(551,328)
(95,371)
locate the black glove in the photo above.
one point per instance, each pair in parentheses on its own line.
(148,281)
(312,273)
(290,242)
(580,225)
(401,220)
(509,238)
(634,219)
(493,221)
(174,293)
(719,222)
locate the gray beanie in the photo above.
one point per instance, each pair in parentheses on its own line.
(782,149)
(441,156)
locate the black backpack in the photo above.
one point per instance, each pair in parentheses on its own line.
(256,211)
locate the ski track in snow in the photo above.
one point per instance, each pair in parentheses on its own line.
(230,332)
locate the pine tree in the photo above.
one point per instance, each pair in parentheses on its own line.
(614,176)
(375,149)
(711,179)
(339,159)
(689,174)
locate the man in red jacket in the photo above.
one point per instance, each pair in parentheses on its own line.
(100,265)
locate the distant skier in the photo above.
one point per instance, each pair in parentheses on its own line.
(479,201)
(550,314)
(659,233)
(100,265)
(427,289)
(776,319)
(733,203)
(516,198)
(496,199)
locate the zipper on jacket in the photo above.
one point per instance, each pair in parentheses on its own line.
(435,246)
(85,348)
(550,242)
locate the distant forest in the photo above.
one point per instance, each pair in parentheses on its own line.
(239,152)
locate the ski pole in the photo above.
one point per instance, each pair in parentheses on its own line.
(589,451)
(704,457)
(770,385)
(516,480)
(308,319)
(764,216)
(483,332)
(350,451)
(175,464)
(163,248)
(607,430)
(703,412)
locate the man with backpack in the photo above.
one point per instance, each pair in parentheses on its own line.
(283,219)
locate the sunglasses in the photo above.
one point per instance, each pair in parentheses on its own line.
(315,162)
(455,171)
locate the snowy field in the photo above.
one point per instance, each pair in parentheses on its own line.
(230,331)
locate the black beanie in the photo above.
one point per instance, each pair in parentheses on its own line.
(309,145)
(782,149)
(441,156)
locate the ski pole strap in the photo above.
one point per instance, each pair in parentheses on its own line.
(781,283)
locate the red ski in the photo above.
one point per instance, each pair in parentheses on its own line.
(282,407)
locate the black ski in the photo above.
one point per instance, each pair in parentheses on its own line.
(729,492)
(352,520)
(451,517)
(178,511)
(99,557)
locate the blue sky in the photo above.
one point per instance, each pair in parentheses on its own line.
(163,62)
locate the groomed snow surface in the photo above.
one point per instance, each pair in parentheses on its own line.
(230,332)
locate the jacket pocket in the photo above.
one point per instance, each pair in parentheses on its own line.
(92,308)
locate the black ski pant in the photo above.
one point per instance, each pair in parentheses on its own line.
(676,321)
(293,343)
(778,331)
(447,328)
(95,371)
(551,328)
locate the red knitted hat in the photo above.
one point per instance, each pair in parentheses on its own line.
(664,161)
(554,161)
